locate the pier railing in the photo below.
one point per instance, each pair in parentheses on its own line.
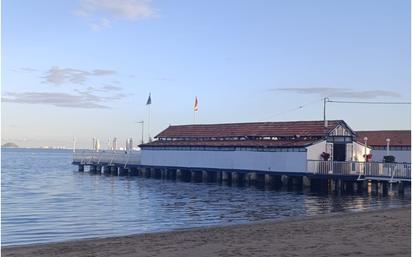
(368,169)
(107,157)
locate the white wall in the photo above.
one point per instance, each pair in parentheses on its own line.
(244,160)
(400,156)
(359,151)
(315,150)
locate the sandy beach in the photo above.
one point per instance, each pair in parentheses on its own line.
(372,233)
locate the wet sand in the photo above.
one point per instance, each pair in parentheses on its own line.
(372,233)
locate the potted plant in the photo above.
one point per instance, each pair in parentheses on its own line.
(389,158)
(325,156)
(367,157)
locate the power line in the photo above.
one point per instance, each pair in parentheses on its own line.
(294,109)
(364,102)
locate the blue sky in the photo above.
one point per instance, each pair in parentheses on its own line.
(84,68)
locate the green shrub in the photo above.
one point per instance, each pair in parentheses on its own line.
(388,158)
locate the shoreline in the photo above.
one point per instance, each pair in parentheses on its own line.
(365,233)
(213,226)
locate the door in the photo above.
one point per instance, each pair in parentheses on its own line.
(339,152)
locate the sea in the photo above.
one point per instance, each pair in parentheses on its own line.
(45,199)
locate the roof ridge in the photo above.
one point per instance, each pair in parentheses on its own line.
(257,122)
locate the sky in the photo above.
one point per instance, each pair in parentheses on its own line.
(84,68)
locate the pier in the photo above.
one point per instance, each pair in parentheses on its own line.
(316,155)
(327,176)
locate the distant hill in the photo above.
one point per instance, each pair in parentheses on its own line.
(9,145)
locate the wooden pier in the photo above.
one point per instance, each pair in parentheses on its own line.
(327,176)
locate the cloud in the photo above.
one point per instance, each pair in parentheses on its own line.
(111,88)
(86,100)
(101,24)
(57,76)
(24,70)
(99,72)
(101,13)
(27,69)
(340,92)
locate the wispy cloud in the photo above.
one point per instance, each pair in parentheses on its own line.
(84,100)
(111,88)
(58,76)
(340,92)
(27,69)
(101,13)
(24,70)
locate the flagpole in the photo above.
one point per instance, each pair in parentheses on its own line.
(148,103)
(148,125)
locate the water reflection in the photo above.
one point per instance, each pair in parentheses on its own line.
(44,200)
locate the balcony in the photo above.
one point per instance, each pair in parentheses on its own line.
(363,169)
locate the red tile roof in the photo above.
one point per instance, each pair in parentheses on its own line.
(259,129)
(232,143)
(378,138)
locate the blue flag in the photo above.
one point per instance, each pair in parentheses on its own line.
(149,100)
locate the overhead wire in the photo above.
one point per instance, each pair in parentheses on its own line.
(365,102)
(295,108)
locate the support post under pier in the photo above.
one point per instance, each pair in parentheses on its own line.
(114,170)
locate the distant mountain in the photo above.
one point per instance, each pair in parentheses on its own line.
(9,145)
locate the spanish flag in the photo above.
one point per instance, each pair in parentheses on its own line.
(196,107)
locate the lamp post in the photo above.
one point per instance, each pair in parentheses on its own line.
(142,123)
(388,140)
(365,140)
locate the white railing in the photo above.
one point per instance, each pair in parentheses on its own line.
(370,169)
(107,157)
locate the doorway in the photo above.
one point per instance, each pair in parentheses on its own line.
(339,152)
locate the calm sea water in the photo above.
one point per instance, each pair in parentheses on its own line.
(44,199)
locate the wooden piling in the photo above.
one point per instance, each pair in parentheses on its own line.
(306,182)
(163,173)
(133,172)
(260,178)
(205,176)
(251,178)
(285,180)
(218,176)
(123,171)
(171,174)
(401,187)
(106,170)
(114,170)
(226,176)
(92,169)
(196,176)
(269,179)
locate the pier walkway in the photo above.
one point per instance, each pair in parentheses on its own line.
(330,175)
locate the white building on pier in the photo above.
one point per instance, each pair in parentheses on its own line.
(260,146)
